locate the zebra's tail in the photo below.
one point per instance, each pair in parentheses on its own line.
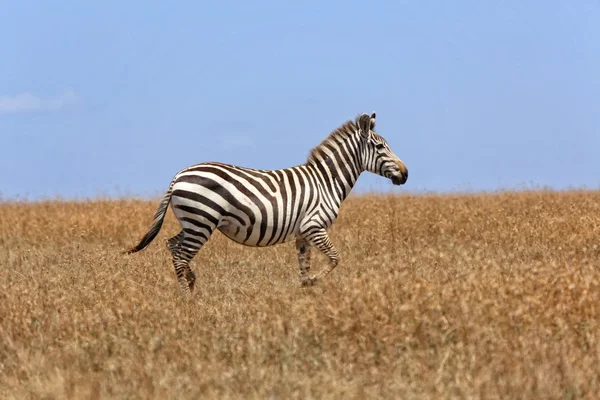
(159,217)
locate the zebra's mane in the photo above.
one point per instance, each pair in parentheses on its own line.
(339,135)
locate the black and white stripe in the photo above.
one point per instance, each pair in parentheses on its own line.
(268,207)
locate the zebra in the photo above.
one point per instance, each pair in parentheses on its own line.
(262,208)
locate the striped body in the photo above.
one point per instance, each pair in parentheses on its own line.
(268,207)
(251,207)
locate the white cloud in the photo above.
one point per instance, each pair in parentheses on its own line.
(27,102)
(236,141)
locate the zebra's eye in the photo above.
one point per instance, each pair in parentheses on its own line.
(379,146)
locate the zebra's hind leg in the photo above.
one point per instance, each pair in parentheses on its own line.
(303,248)
(318,237)
(185,275)
(183,247)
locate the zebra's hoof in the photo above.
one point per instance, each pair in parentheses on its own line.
(309,281)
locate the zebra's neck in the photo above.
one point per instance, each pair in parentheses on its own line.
(338,165)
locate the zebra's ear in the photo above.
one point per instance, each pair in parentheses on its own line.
(373,120)
(364,125)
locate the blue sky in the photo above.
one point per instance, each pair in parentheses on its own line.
(113,98)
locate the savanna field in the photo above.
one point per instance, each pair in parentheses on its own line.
(435,297)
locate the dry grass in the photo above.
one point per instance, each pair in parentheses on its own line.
(479,296)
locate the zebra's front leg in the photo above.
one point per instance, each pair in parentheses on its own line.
(303,248)
(320,239)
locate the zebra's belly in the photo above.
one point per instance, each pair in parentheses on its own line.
(233,230)
(256,235)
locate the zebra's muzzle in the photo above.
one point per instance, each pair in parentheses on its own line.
(399,179)
(402,176)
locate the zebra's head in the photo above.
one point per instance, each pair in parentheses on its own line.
(377,156)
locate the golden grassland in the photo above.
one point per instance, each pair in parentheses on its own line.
(455,296)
